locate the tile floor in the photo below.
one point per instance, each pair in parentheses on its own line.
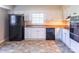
(34,46)
(63,47)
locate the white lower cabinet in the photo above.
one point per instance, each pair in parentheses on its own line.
(27,33)
(65,37)
(58,33)
(74,46)
(35,33)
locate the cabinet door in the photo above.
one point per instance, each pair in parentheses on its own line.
(63,35)
(58,34)
(27,33)
(30,33)
(35,33)
(67,39)
(41,33)
(74,46)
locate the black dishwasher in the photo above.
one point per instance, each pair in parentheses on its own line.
(50,34)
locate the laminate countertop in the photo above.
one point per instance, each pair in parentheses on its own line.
(51,24)
(47,26)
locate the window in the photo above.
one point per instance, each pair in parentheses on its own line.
(37,18)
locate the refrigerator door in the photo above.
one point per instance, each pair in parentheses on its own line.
(15,27)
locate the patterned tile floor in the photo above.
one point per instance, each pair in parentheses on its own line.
(34,46)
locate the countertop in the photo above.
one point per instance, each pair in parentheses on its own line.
(50,24)
(47,26)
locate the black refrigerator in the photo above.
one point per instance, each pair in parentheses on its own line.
(16,27)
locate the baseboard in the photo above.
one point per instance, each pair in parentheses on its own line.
(34,39)
(1,41)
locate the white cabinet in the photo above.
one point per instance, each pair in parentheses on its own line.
(35,33)
(65,37)
(27,32)
(74,46)
(58,33)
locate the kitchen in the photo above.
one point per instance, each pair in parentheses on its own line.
(37,28)
(46,23)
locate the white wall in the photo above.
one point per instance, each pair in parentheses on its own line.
(3,17)
(51,12)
